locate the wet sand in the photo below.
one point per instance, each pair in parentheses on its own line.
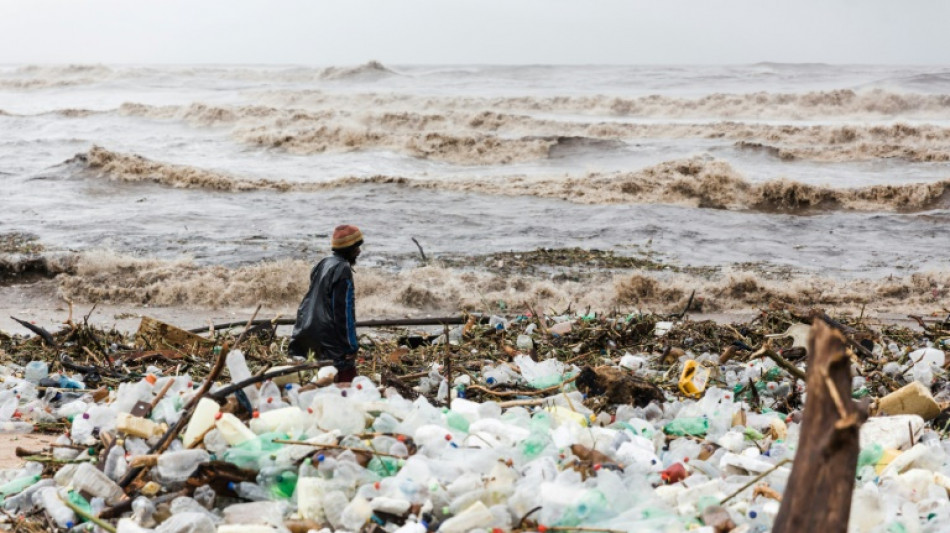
(32,442)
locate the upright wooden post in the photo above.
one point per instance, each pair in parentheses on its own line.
(818,494)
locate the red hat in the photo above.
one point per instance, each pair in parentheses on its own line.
(345,236)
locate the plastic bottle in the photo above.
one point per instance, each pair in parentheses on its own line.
(356,514)
(137,426)
(206,496)
(237,367)
(178,466)
(16,485)
(524,343)
(89,479)
(187,523)
(48,498)
(35,371)
(23,503)
(201,421)
(252,491)
(142,511)
(11,428)
(233,430)
(476,515)
(310,493)
(695,426)
(279,481)
(116,465)
(77,500)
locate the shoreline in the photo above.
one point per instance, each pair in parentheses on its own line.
(36,302)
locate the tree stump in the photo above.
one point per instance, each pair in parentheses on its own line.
(818,494)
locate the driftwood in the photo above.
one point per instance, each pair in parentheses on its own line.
(818,494)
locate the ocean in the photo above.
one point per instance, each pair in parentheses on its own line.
(208,186)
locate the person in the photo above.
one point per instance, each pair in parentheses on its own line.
(326,318)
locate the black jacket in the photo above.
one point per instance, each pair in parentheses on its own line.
(326,319)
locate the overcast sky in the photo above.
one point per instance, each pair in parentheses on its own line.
(336,32)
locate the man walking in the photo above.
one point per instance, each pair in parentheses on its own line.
(326,318)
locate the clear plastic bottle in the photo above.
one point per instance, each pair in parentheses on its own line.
(23,503)
(356,514)
(89,479)
(175,467)
(206,496)
(237,367)
(116,465)
(49,499)
(142,511)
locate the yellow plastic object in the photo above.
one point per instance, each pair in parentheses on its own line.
(563,414)
(693,379)
(888,456)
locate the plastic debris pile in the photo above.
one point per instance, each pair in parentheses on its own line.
(523,423)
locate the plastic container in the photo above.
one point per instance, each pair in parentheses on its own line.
(693,379)
(237,367)
(310,493)
(475,516)
(93,481)
(178,466)
(35,371)
(201,421)
(138,427)
(233,430)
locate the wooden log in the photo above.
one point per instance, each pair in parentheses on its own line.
(818,494)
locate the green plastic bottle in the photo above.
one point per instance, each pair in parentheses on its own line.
(870,456)
(384,466)
(76,499)
(278,481)
(254,453)
(456,421)
(694,426)
(753,434)
(591,506)
(17,485)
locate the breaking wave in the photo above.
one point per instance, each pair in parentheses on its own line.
(493,137)
(368,70)
(32,77)
(106,277)
(135,168)
(696,182)
(820,105)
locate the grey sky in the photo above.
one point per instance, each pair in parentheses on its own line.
(483,31)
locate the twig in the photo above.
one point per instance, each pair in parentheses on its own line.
(688,304)
(522,403)
(222,393)
(755,480)
(247,327)
(45,335)
(782,362)
(419,246)
(335,447)
(448,366)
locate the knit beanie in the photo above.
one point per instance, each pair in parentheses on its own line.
(346,236)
